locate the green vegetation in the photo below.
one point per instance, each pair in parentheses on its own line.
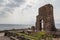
(36,36)
(27,36)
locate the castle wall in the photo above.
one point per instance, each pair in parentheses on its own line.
(45,14)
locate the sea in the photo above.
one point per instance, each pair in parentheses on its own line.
(19,26)
(13,26)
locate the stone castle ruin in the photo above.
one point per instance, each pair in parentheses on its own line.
(45,15)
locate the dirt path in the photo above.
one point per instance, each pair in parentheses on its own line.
(4,38)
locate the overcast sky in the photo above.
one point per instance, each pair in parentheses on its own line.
(25,11)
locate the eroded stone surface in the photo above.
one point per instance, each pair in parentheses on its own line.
(45,14)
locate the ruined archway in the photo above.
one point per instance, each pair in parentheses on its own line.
(45,14)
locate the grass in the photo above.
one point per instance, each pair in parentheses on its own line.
(27,36)
(35,36)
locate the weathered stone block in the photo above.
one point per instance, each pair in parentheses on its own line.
(45,14)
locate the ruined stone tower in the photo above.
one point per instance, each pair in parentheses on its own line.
(45,14)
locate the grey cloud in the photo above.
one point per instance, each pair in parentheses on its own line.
(2,14)
(19,1)
(8,9)
(15,3)
(1,1)
(11,6)
(27,8)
